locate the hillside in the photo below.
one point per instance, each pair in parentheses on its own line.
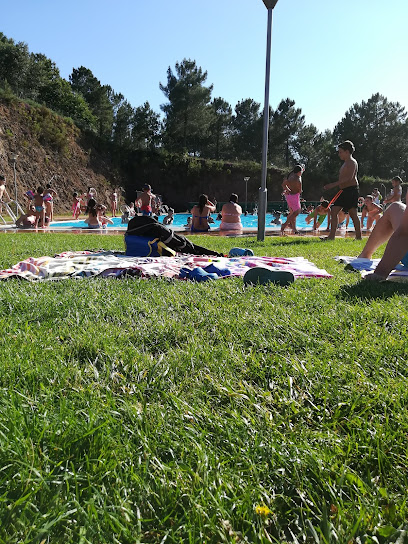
(49,147)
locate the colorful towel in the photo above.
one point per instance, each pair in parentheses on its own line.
(85,264)
(364,266)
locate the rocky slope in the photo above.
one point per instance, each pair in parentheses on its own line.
(49,147)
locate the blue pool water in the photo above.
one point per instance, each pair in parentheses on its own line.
(180,220)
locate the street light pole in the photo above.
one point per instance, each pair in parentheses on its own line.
(13,162)
(246,192)
(263,198)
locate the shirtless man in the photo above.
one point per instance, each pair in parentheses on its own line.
(146,200)
(3,191)
(396,191)
(370,210)
(292,187)
(348,183)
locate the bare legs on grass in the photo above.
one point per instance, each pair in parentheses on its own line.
(391,227)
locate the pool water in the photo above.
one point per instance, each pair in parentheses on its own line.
(180,220)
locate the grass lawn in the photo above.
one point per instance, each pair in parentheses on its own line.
(148,411)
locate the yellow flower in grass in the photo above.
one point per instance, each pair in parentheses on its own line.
(262,510)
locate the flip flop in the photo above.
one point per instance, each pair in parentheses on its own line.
(215,269)
(266,274)
(240,252)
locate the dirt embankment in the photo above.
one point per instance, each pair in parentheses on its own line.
(51,149)
(48,150)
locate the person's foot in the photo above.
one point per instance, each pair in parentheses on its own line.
(326,238)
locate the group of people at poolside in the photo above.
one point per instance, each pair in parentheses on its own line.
(344,204)
(230,215)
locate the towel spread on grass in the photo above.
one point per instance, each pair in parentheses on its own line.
(364,266)
(86,264)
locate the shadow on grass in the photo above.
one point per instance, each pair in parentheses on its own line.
(372,290)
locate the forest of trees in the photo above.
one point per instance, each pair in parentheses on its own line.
(194,122)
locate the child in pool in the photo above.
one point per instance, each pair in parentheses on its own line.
(370,210)
(104,220)
(276,218)
(318,215)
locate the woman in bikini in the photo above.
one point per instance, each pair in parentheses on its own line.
(200,214)
(347,198)
(231,215)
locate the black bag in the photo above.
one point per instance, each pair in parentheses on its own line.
(142,225)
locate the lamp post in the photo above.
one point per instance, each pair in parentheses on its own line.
(263,198)
(246,192)
(13,160)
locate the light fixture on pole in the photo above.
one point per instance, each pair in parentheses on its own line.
(246,179)
(13,160)
(263,199)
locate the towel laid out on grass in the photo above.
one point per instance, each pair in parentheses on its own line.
(86,264)
(364,266)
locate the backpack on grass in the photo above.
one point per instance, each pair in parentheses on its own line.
(148,227)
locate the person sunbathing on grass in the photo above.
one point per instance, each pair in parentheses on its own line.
(391,227)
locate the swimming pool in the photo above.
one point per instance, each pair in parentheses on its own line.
(180,220)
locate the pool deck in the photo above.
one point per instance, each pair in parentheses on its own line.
(11,228)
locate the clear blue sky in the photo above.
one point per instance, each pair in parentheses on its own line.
(326,54)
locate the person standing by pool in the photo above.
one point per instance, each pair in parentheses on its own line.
(347,197)
(114,202)
(231,215)
(292,188)
(146,200)
(91,194)
(49,195)
(76,205)
(377,196)
(200,213)
(38,202)
(3,191)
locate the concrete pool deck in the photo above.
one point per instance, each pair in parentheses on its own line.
(11,228)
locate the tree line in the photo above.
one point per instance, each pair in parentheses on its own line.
(195,123)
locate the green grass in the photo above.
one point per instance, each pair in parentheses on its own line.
(167,411)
